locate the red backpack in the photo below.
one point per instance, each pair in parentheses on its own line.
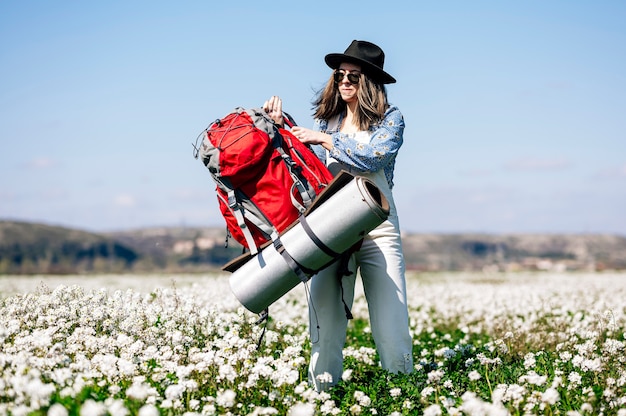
(265,177)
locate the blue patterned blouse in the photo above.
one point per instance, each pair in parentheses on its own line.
(385,141)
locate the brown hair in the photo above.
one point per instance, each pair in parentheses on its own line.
(371,102)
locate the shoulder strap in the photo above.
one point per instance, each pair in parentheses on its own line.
(264,123)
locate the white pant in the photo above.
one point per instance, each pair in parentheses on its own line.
(381,266)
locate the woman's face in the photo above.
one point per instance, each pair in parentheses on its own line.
(347,89)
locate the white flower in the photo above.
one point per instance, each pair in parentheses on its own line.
(227,372)
(432,410)
(529,360)
(362,354)
(324,378)
(38,391)
(435,376)
(138,391)
(302,409)
(613,346)
(395,392)
(347,375)
(474,375)
(57,410)
(574,378)
(117,408)
(363,399)
(328,407)
(355,409)
(550,396)
(502,347)
(534,379)
(92,408)
(226,398)
(148,410)
(594,365)
(427,391)
(174,391)
(261,411)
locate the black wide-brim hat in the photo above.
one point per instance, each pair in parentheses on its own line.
(369,56)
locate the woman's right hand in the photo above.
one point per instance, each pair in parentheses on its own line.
(274,108)
(308,136)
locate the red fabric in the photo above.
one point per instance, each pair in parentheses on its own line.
(250,162)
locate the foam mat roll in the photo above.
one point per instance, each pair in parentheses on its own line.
(351,207)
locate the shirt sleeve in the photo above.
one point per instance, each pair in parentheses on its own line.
(318,149)
(385,141)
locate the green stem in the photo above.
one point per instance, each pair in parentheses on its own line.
(487,378)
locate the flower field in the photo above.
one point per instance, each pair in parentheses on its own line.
(484,344)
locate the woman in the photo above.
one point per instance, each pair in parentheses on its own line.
(358,131)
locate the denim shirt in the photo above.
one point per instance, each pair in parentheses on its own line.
(381,151)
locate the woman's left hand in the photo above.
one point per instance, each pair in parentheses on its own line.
(274,108)
(308,136)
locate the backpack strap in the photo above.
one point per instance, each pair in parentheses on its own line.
(244,209)
(299,182)
(319,243)
(266,124)
(302,272)
(238,211)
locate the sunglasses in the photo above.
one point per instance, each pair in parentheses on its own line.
(353,77)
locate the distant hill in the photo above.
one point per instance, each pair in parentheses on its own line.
(180,248)
(28,248)
(512,252)
(39,248)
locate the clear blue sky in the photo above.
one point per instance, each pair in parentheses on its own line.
(515,110)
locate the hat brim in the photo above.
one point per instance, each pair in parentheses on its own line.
(333,60)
